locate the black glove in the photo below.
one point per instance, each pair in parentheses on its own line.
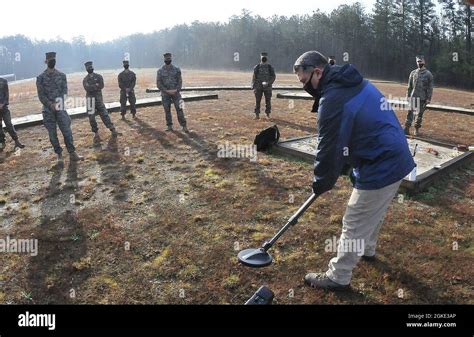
(352,178)
(316,189)
(348,171)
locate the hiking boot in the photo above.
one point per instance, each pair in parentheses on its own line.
(407,130)
(268,115)
(185,129)
(123,117)
(169,128)
(114,133)
(60,158)
(2,146)
(417,132)
(75,157)
(257,117)
(321,281)
(134,115)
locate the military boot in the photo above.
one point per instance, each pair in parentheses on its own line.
(19,145)
(75,157)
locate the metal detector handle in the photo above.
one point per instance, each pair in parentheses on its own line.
(291,222)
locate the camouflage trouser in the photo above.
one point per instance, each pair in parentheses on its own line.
(59,118)
(178,104)
(123,102)
(418,106)
(268,100)
(101,110)
(7,119)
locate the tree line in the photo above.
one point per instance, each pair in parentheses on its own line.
(382,43)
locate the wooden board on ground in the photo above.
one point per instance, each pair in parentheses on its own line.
(226,88)
(433,158)
(394,103)
(37,119)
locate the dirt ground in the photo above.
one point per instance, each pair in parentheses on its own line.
(155,217)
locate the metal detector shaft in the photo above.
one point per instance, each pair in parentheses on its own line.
(291,222)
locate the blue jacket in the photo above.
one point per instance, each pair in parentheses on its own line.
(357,128)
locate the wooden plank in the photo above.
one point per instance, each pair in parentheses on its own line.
(423,181)
(434,107)
(227,88)
(290,95)
(37,119)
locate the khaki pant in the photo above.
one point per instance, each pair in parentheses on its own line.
(364,217)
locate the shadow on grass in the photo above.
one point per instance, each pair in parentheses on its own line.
(422,293)
(150,132)
(113,171)
(61,242)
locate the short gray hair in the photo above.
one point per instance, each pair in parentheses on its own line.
(310,60)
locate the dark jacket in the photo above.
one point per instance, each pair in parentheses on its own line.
(356,129)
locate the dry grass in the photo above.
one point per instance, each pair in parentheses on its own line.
(158,218)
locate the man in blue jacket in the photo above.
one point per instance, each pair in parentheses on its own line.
(360,136)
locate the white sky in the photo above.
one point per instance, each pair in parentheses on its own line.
(102,20)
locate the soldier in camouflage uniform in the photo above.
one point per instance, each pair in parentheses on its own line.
(93,84)
(262,81)
(52,92)
(6,116)
(127,80)
(420,90)
(170,82)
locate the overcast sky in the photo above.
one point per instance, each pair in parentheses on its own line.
(99,20)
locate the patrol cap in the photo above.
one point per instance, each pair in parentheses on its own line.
(264,54)
(50,55)
(167,55)
(420,58)
(88,64)
(310,59)
(126,62)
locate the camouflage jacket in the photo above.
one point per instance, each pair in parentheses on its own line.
(263,72)
(51,87)
(420,84)
(127,80)
(169,77)
(4,93)
(93,84)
